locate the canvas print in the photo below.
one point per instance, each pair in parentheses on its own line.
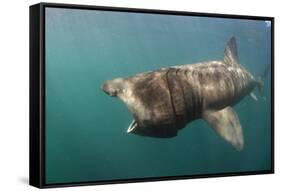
(131,96)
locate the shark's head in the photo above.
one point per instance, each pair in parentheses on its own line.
(147,98)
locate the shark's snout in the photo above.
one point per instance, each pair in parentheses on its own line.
(109,89)
(113,87)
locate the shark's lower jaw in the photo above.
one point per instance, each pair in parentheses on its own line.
(132,126)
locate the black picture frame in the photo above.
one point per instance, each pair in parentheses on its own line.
(37,93)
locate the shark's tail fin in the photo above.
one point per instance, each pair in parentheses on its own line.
(260,79)
(260,83)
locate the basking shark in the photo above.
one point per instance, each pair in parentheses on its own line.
(163,102)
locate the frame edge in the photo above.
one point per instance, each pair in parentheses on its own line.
(35,164)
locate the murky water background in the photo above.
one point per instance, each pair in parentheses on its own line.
(86,137)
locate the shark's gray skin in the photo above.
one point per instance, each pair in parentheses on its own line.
(164,101)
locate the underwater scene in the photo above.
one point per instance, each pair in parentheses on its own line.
(122,97)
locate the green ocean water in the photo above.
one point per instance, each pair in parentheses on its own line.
(86,137)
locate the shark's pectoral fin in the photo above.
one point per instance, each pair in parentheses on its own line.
(226,123)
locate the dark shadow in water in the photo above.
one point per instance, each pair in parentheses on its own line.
(24,180)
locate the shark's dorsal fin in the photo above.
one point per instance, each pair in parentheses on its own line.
(226,123)
(230,52)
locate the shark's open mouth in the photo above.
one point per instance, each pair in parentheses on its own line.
(132,126)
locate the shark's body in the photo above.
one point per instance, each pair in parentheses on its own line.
(164,101)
